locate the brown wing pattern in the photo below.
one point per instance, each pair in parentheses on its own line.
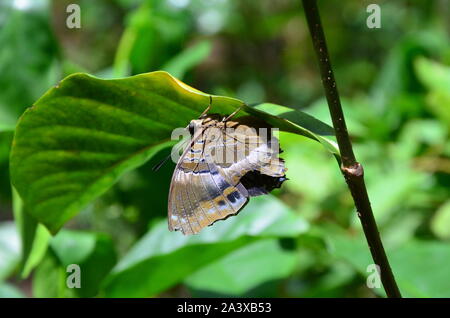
(206,183)
(199,194)
(253,153)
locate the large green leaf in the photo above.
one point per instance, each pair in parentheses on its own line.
(297,122)
(92,252)
(436,77)
(187,59)
(49,279)
(235,273)
(161,259)
(83,134)
(418,266)
(34,236)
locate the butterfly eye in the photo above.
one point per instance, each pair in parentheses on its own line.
(191,128)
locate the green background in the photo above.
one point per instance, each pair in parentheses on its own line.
(305,239)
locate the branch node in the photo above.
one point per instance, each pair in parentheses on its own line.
(355,170)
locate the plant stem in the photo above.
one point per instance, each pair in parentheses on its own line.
(351,169)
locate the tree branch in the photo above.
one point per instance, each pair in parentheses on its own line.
(352,170)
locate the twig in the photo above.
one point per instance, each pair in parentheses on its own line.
(351,169)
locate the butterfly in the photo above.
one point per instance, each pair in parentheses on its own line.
(225,163)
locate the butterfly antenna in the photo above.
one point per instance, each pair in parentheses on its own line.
(207,108)
(160,164)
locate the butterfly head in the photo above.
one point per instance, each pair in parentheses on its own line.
(206,120)
(194,125)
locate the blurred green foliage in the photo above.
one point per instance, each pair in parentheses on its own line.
(305,241)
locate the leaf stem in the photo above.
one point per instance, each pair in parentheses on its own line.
(351,169)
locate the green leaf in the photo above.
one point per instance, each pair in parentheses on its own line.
(73,247)
(433,75)
(34,237)
(161,258)
(396,75)
(436,77)
(440,223)
(235,273)
(306,123)
(49,279)
(313,177)
(187,59)
(92,252)
(389,193)
(438,101)
(152,34)
(83,134)
(297,122)
(418,266)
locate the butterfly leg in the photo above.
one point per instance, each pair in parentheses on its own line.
(207,108)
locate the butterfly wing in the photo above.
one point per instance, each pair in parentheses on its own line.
(200,193)
(243,149)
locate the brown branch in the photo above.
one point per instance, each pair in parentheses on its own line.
(351,169)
